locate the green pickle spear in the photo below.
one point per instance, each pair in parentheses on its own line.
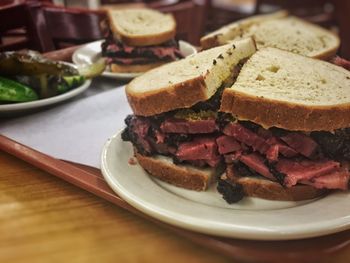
(70,82)
(12,91)
(32,76)
(93,70)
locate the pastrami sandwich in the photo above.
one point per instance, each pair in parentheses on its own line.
(281,131)
(139,40)
(289,136)
(174,127)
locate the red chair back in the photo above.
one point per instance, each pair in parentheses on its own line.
(316,11)
(17,29)
(111,2)
(190,19)
(294,5)
(342,11)
(6,2)
(72,26)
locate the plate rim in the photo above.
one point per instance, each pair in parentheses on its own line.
(162,214)
(122,76)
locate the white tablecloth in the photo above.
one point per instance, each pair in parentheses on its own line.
(75,131)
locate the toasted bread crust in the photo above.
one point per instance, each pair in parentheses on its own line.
(183,83)
(154,39)
(267,189)
(212,39)
(178,175)
(182,95)
(270,113)
(135,68)
(236,29)
(327,55)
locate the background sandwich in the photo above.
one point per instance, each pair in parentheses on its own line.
(281,31)
(139,40)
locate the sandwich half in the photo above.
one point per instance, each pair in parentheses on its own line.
(278,123)
(280,31)
(139,40)
(286,128)
(174,128)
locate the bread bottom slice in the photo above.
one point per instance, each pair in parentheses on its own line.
(266,189)
(135,68)
(193,178)
(185,176)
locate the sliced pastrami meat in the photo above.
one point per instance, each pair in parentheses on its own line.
(185,126)
(242,134)
(160,137)
(215,161)
(272,153)
(333,180)
(169,50)
(282,147)
(227,144)
(161,148)
(140,127)
(296,171)
(199,149)
(129,61)
(256,162)
(301,143)
(232,157)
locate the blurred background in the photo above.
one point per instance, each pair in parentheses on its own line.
(47,25)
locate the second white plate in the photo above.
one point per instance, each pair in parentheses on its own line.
(207,212)
(91,52)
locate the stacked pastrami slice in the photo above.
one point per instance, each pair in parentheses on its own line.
(286,157)
(120,53)
(289,158)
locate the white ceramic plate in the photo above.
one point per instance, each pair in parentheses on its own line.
(91,52)
(207,212)
(13,108)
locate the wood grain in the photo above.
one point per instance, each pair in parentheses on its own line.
(44,219)
(49,220)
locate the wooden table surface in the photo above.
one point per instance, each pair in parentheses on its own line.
(44,219)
